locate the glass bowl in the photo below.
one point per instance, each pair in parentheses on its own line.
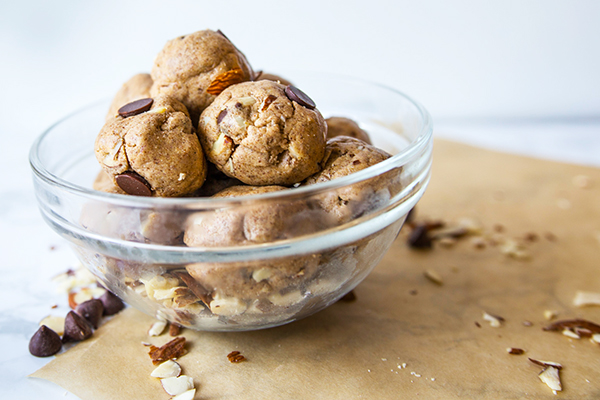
(133,244)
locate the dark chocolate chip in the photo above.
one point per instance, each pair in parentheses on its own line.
(297,95)
(132,183)
(419,238)
(45,342)
(135,107)
(222,34)
(91,310)
(76,328)
(222,115)
(112,304)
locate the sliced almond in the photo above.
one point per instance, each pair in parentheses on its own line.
(112,158)
(261,274)
(227,306)
(158,110)
(287,299)
(224,80)
(157,328)
(247,101)
(434,277)
(57,324)
(551,378)
(546,363)
(596,338)
(550,314)
(222,145)
(187,395)
(571,334)
(168,369)
(177,385)
(494,320)
(583,299)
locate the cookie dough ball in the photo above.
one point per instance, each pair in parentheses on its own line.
(196,67)
(263,133)
(254,224)
(137,87)
(160,227)
(152,150)
(340,126)
(344,156)
(265,76)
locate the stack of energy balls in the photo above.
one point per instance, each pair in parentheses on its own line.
(202,124)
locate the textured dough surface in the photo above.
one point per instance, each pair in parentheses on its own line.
(254,224)
(341,126)
(253,132)
(344,156)
(137,87)
(160,145)
(187,66)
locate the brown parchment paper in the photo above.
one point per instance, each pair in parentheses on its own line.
(354,350)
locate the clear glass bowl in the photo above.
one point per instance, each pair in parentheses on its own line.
(133,244)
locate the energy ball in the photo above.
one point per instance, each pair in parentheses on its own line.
(262,222)
(263,133)
(151,149)
(196,67)
(137,87)
(265,76)
(340,126)
(344,156)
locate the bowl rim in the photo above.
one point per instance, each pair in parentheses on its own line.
(414,148)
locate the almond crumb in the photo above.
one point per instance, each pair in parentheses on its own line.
(583,299)
(494,320)
(434,277)
(549,315)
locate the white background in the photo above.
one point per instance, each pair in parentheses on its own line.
(521,76)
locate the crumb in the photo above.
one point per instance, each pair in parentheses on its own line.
(550,236)
(235,357)
(563,204)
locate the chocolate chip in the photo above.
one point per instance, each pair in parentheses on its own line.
(419,238)
(112,304)
(222,34)
(45,342)
(135,107)
(91,310)
(132,183)
(76,328)
(222,115)
(297,95)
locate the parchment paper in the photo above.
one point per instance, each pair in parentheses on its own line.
(354,350)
